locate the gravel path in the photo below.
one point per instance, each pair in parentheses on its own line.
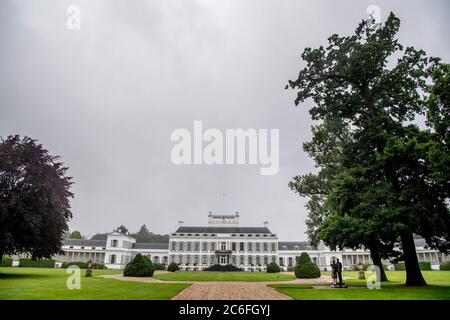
(227,290)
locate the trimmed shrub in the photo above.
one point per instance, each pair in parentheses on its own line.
(291,269)
(6,262)
(38,263)
(305,268)
(172,267)
(227,267)
(159,266)
(83,265)
(425,265)
(273,268)
(444,265)
(140,266)
(400,266)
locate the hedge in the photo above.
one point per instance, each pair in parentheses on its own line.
(227,267)
(273,268)
(159,266)
(140,266)
(38,263)
(444,265)
(423,265)
(305,268)
(83,265)
(6,262)
(172,267)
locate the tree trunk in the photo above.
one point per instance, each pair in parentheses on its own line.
(376,259)
(413,274)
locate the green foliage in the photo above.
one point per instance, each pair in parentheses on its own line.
(445,265)
(146,236)
(273,268)
(227,268)
(6,262)
(75,235)
(305,268)
(425,265)
(99,236)
(38,263)
(159,266)
(140,266)
(83,265)
(172,267)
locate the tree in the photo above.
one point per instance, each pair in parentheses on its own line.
(34,199)
(75,235)
(122,229)
(99,236)
(352,83)
(145,236)
(305,268)
(140,266)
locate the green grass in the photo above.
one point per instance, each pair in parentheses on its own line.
(438,288)
(50,284)
(223,276)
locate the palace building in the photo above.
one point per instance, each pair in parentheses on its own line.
(223,241)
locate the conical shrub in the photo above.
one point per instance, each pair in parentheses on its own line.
(140,266)
(305,268)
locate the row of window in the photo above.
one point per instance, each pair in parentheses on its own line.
(89,248)
(234,247)
(211,259)
(264,235)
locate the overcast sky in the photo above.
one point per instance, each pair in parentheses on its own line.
(107,97)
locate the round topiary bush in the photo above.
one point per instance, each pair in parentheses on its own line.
(140,266)
(273,268)
(305,269)
(172,267)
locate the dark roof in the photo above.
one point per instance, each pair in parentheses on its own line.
(290,245)
(84,242)
(223,230)
(142,245)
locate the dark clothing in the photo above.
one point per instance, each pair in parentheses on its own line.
(339,271)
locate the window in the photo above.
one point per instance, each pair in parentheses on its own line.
(265,246)
(281,261)
(284,247)
(197,246)
(297,258)
(112,258)
(296,247)
(82,247)
(181,244)
(205,246)
(274,247)
(188,246)
(241,246)
(266,260)
(290,261)
(114,243)
(173,244)
(233,246)
(257,247)
(241,258)
(213,246)
(250,260)
(258,259)
(204,259)
(223,246)
(249,246)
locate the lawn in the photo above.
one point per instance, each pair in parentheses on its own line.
(50,284)
(223,276)
(438,288)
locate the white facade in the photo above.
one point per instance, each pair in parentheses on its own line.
(223,242)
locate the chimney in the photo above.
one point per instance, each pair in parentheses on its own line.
(180,223)
(266,224)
